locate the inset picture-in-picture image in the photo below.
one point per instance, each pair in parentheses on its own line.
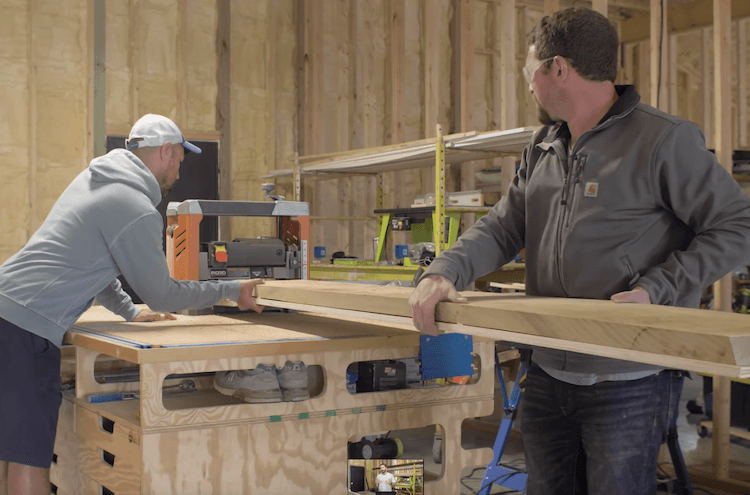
(386,476)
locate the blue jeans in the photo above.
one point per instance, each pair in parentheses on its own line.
(601,439)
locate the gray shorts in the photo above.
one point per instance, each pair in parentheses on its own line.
(29,396)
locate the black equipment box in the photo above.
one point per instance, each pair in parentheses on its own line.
(374,376)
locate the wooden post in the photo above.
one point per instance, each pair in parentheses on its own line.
(644,63)
(707,88)
(466,60)
(673,94)
(601,6)
(619,76)
(366,31)
(498,76)
(134,61)
(465,50)
(342,21)
(301,80)
(398,97)
(551,6)
(431,69)
(181,56)
(742,82)
(628,65)
(505,30)
(92,29)
(659,55)
(315,22)
(224,111)
(297,179)
(315,130)
(391,185)
(271,26)
(722,288)
(31,44)
(97,122)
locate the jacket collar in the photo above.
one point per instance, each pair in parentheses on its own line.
(627,99)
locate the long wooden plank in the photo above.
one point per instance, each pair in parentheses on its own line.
(536,340)
(721,340)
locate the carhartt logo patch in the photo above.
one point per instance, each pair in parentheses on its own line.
(592,189)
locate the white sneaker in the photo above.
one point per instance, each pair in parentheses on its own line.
(258,385)
(293,381)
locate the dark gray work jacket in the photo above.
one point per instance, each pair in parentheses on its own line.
(639,200)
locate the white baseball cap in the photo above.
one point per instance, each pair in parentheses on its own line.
(154,130)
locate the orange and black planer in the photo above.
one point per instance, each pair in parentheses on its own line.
(285,256)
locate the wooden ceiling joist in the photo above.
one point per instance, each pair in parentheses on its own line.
(681,17)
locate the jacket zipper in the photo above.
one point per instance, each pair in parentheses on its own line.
(579,162)
(560,223)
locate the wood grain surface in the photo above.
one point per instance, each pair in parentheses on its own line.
(704,336)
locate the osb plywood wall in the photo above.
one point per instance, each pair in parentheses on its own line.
(390,71)
(44,109)
(165,57)
(691,78)
(268,78)
(351,51)
(161,58)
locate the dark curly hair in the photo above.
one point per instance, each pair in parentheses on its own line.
(583,36)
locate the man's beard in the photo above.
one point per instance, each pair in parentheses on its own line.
(165,188)
(544,117)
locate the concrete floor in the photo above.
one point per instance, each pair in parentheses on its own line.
(418,444)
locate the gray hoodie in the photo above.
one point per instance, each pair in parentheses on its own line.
(103,225)
(639,200)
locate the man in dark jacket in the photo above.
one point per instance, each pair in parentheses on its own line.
(613,200)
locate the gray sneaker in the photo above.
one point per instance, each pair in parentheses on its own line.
(258,385)
(293,381)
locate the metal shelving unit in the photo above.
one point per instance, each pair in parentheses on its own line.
(437,152)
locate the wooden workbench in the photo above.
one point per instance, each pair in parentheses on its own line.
(712,342)
(204,442)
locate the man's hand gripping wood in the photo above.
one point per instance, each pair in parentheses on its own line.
(246,300)
(430,291)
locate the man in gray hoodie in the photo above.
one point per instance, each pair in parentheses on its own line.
(104,224)
(613,200)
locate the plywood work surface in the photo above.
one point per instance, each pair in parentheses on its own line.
(242,334)
(639,331)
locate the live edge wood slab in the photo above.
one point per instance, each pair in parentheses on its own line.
(698,340)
